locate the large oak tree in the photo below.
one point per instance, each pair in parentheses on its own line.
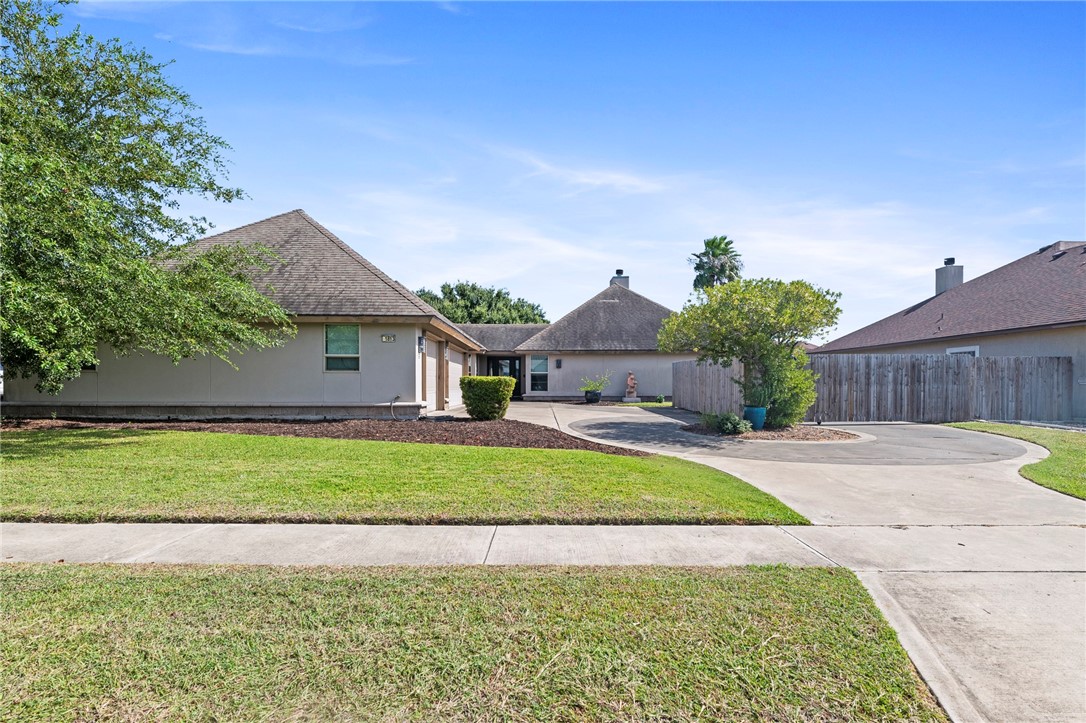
(98,148)
(468,303)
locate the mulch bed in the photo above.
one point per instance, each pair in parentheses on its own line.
(497,433)
(802,433)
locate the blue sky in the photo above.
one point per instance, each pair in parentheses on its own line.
(538,147)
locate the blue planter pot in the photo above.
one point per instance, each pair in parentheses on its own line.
(755,415)
(592,397)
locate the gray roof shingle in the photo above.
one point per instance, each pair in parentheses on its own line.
(616,319)
(1045,288)
(320,275)
(502,337)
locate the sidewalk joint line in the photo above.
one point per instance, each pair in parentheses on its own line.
(810,547)
(490,544)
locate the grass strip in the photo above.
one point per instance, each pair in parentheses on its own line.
(1064,470)
(542,644)
(93,475)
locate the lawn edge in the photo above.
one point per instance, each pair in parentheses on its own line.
(1023,468)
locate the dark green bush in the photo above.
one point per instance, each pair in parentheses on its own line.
(793,391)
(726,423)
(487,397)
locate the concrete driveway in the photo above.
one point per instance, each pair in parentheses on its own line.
(981,572)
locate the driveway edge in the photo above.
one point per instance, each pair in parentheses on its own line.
(944,686)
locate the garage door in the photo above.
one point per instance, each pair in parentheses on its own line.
(456,370)
(431,375)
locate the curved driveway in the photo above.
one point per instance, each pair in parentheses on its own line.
(896,474)
(890,444)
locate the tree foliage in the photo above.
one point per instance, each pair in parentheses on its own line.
(759,323)
(468,303)
(97,149)
(717,263)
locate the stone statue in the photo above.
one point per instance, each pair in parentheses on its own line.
(631,388)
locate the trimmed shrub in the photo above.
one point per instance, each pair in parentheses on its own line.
(793,391)
(487,397)
(726,423)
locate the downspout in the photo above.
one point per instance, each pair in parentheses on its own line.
(391,409)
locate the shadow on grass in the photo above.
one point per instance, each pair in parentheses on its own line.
(48,443)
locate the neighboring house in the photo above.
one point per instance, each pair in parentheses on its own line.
(613,331)
(366,347)
(1035,306)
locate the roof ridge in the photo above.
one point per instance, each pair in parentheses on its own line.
(251,223)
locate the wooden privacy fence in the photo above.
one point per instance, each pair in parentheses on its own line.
(903,387)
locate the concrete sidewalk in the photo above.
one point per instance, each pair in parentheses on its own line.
(871,549)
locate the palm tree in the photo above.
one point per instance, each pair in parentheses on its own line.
(719,263)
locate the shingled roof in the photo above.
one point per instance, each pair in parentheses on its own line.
(320,275)
(502,337)
(616,319)
(1043,289)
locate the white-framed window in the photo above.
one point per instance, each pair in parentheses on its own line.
(341,345)
(973,351)
(539,373)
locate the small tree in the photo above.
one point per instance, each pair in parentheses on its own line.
(759,323)
(717,263)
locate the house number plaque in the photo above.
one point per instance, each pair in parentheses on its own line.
(388,338)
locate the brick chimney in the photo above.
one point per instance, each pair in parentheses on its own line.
(948,276)
(619,279)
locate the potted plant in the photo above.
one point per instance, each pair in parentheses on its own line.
(757,395)
(593,388)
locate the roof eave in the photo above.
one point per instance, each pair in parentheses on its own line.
(953,337)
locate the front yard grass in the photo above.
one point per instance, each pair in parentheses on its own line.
(254,643)
(1064,470)
(119,475)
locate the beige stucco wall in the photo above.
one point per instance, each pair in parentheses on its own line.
(1068,341)
(653,372)
(291,374)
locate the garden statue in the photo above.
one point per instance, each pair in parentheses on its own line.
(631,388)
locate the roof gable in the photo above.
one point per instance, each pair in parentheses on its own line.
(616,319)
(1043,289)
(320,275)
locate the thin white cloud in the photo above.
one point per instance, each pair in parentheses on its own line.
(580,177)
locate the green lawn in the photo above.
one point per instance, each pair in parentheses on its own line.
(84,475)
(646,405)
(1064,470)
(553,644)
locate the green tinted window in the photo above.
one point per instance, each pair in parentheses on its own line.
(539,364)
(341,339)
(341,363)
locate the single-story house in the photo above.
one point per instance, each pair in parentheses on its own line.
(614,331)
(366,347)
(1035,306)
